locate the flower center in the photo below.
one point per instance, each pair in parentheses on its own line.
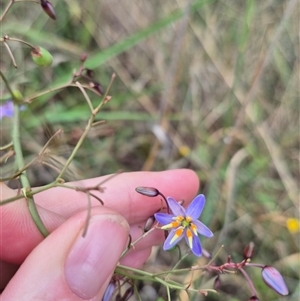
(184,221)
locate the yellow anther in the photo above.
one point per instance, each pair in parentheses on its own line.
(189,236)
(194,229)
(177,234)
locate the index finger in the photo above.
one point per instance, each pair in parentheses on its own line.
(119,193)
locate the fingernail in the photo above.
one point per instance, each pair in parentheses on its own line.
(93,257)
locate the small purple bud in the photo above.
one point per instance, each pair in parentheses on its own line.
(97,87)
(109,291)
(248,251)
(253,298)
(83,57)
(48,9)
(149,223)
(148,191)
(274,280)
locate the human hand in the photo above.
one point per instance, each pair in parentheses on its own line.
(65,265)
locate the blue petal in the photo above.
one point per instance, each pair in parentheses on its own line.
(274,280)
(202,229)
(177,209)
(196,248)
(196,206)
(164,218)
(167,244)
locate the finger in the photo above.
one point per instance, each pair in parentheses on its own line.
(20,235)
(67,266)
(7,270)
(136,258)
(120,195)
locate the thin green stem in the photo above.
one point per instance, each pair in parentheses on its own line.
(53,89)
(7,84)
(87,129)
(16,136)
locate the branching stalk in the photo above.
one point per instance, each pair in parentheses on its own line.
(16,136)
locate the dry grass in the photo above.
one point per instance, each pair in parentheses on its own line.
(217,91)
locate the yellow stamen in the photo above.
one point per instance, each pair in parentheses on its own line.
(188,219)
(179,218)
(171,225)
(189,236)
(194,229)
(177,234)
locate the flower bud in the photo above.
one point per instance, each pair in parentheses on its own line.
(274,280)
(83,57)
(149,223)
(253,298)
(96,86)
(248,251)
(41,57)
(148,191)
(48,9)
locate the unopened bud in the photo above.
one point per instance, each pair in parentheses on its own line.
(41,57)
(96,86)
(248,251)
(274,280)
(149,223)
(148,191)
(48,9)
(83,57)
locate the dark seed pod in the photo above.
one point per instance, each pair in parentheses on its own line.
(48,9)
(248,251)
(148,191)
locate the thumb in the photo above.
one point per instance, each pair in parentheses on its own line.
(68,266)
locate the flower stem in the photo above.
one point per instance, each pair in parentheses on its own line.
(23,176)
(6,10)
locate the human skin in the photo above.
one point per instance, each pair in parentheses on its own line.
(65,265)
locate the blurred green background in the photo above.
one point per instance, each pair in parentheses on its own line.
(207,85)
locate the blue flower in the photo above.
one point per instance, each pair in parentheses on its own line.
(184,223)
(7,109)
